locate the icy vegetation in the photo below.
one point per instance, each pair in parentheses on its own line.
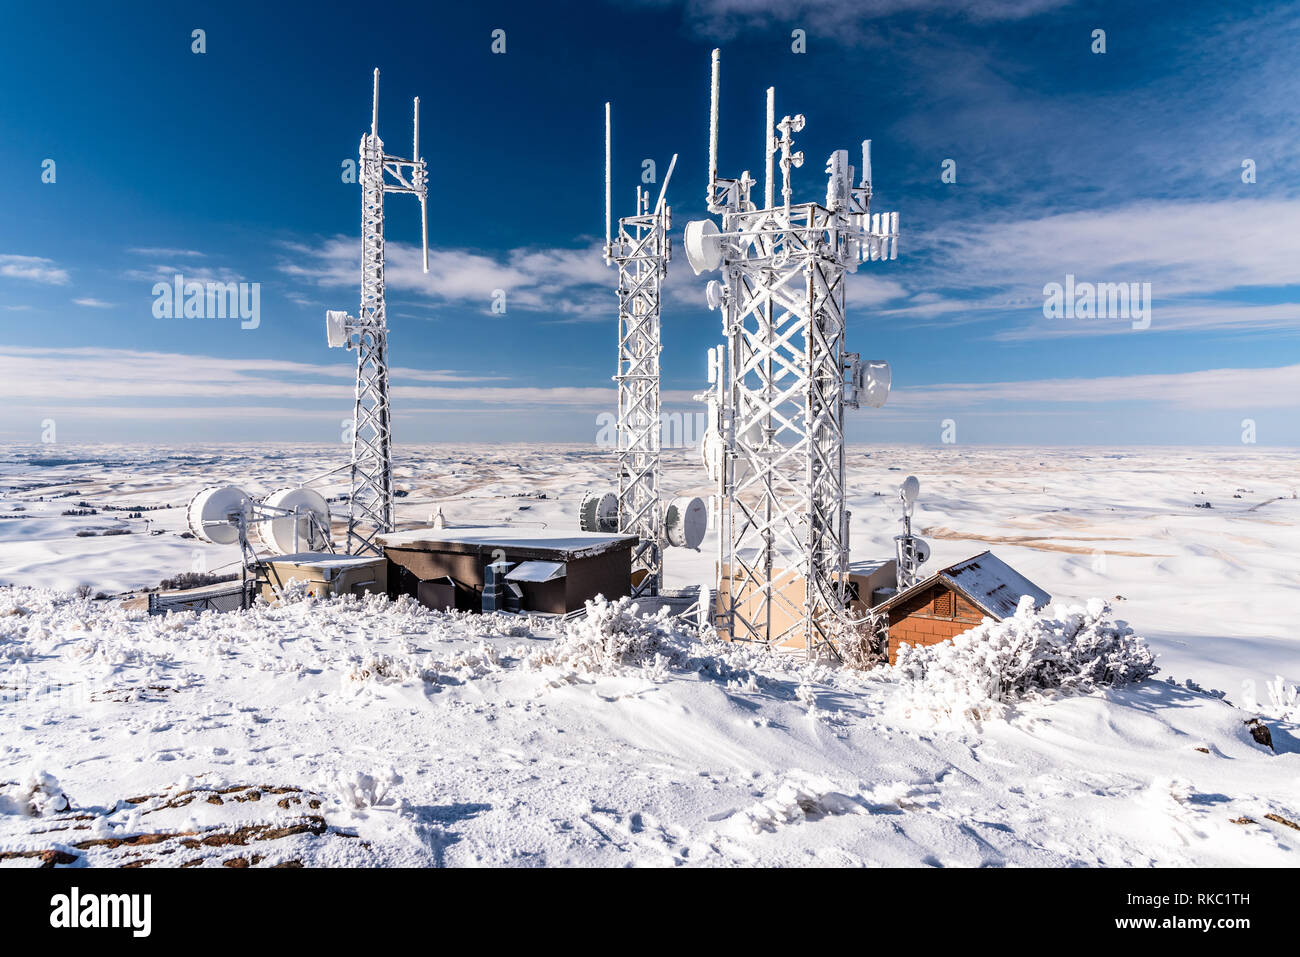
(613,637)
(1074,649)
(374,732)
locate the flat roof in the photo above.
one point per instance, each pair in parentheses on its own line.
(323,560)
(541,542)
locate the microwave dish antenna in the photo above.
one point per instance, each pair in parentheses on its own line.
(685,521)
(598,512)
(911,552)
(215,511)
(298,521)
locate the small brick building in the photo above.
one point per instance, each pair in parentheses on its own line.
(956,599)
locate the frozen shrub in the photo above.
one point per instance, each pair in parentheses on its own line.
(42,794)
(360,790)
(613,636)
(293,591)
(1067,649)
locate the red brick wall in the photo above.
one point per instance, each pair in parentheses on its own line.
(916,623)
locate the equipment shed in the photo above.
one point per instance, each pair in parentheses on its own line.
(548,570)
(956,599)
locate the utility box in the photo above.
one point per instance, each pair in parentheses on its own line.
(327,574)
(438,594)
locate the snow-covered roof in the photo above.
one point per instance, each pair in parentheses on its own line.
(987,581)
(558,543)
(324,560)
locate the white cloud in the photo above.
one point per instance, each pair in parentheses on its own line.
(841,19)
(93,303)
(1205,262)
(1208,389)
(155,252)
(33,268)
(92,374)
(1180,247)
(166,273)
(565,283)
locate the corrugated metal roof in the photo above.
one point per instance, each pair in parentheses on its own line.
(993,585)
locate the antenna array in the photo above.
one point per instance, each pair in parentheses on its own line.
(370,506)
(780,389)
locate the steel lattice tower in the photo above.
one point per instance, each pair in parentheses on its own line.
(783,395)
(370,506)
(641,250)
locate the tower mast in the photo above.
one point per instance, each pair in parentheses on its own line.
(370,505)
(641,249)
(785,385)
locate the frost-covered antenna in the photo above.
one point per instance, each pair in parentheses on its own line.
(783,562)
(641,249)
(370,506)
(912,552)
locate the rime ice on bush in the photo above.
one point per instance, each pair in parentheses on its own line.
(613,636)
(1070,649)
(43,795)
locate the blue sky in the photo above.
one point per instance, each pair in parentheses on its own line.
(1117,167)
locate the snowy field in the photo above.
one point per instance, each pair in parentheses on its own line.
(381,733)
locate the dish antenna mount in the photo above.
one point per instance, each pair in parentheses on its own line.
(370,505)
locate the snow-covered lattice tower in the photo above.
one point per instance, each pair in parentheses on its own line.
(370,507)
(641,249)
(787,379)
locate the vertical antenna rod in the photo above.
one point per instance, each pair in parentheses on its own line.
(422,188)
(663,190)
(769,147)
(713,124)
(608,197)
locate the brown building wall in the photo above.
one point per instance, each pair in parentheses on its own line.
(608,573)
(938,614)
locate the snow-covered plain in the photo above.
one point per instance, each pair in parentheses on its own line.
(381,733)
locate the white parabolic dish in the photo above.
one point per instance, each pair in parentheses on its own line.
(209,513)
(336,328)
(599,512)
(685,522)
(703,245)
(278,534)
(876,380)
